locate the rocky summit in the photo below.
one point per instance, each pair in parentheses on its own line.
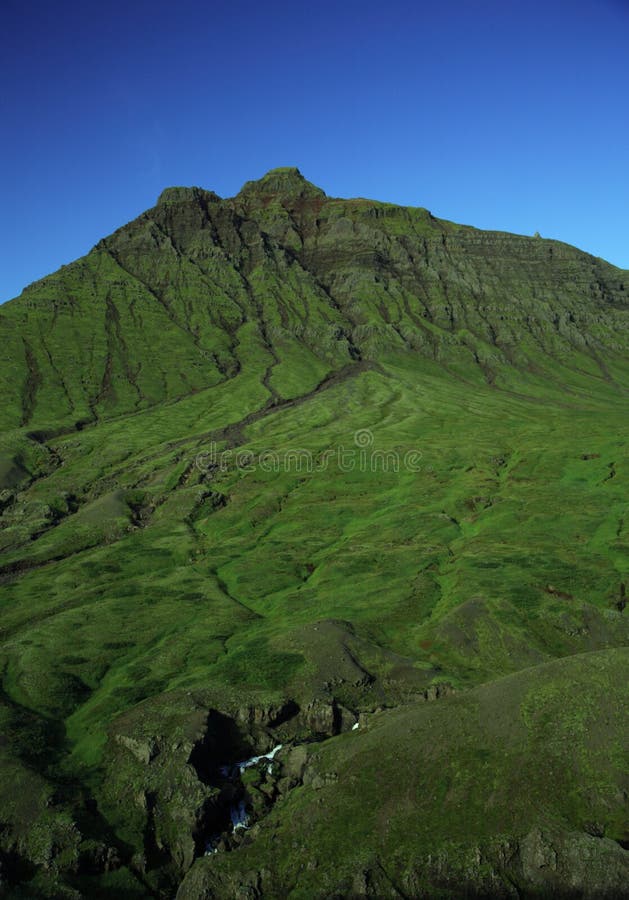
(315,553)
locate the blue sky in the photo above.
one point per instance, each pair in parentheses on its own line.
(510,115)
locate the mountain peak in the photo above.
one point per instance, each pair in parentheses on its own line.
(286,181)
(185,194)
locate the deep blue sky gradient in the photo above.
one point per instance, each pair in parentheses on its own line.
(510,115)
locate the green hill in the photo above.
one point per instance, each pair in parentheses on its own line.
(273,463)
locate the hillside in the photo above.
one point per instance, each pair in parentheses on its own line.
(279,465)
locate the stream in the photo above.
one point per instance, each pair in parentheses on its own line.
(238,811)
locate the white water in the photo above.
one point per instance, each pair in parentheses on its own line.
(239,767)
(239,816)
(239,819)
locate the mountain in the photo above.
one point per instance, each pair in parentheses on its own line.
(335,475)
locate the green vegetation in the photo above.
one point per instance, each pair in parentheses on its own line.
(191,570)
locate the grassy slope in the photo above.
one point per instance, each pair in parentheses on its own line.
(130,569)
